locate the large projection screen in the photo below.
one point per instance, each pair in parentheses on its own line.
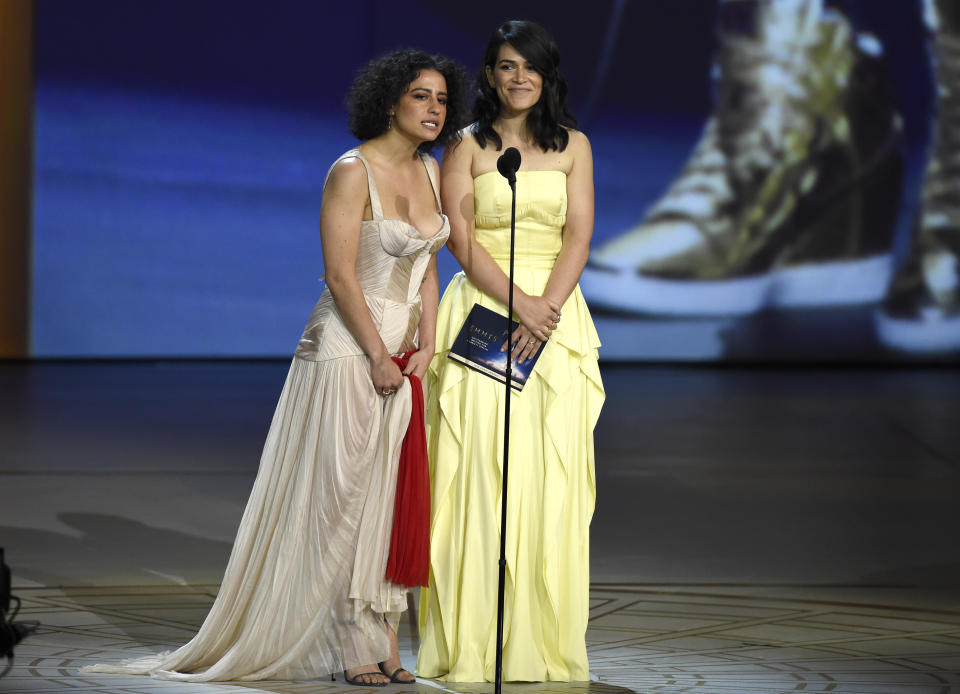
(761,182)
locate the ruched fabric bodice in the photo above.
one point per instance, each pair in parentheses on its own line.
(541,214)
(391,259)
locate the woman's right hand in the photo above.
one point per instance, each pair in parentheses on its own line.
(386,375)
(538,314)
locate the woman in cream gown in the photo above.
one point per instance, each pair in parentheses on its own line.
(551,483)
(305,593)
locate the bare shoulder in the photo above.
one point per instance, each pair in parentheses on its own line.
(431,162)
(466,136)
(347,183)
(459,155)
(579,144)
(465,147)
(348,172)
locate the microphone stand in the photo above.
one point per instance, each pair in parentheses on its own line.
(501,583)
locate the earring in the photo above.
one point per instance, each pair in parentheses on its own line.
(389,121)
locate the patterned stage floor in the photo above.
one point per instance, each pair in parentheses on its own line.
(757,530)
(641,639)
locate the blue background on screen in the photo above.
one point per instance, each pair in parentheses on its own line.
(181,147)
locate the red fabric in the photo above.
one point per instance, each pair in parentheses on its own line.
(409,560)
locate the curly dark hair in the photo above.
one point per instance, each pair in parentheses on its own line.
(549,119)
(379,85)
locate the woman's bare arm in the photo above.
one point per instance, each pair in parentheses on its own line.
(341,215)
(578,229)
(577,233)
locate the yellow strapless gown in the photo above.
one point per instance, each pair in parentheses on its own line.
(551,479)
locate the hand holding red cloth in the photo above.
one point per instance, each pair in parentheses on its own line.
(409,561)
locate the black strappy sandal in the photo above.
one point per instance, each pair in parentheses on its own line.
(357,683)
(393,677)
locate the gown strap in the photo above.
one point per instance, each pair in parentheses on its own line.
(375,205)
(431,174)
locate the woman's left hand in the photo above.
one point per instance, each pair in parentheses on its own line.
(524,344)
(418,363)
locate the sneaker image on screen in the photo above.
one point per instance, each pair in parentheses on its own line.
(791,196)
(921,313)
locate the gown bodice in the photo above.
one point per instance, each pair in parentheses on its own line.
(541,214)
(392,258)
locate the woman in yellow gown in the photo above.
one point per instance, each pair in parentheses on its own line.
(522,104)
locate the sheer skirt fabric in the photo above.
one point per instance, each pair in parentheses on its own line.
(303,593)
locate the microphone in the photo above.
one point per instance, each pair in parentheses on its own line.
(508,163)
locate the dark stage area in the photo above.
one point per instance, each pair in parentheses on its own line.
(763,529)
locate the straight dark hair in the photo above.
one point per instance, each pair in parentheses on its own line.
(549,119)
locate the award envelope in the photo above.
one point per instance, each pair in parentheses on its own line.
(478,347)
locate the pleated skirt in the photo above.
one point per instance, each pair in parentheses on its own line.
(304,592)
(551,496)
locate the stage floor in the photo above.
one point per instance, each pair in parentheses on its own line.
(757,530)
